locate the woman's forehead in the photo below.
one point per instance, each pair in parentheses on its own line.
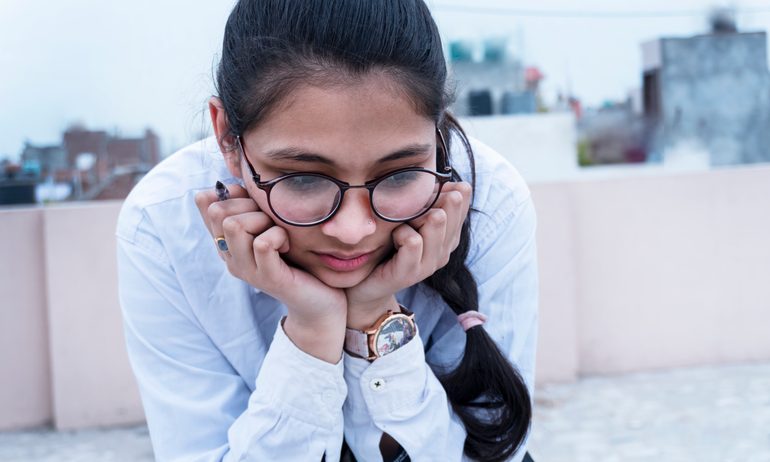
(367,118)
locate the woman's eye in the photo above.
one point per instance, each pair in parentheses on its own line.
(400,179)
(304,183)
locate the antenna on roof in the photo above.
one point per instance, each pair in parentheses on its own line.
(722,21)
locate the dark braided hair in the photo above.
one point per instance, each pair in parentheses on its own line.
(484,379)
(271,46)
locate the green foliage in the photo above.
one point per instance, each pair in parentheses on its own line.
(584,153)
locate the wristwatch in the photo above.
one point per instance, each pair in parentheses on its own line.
(390,332)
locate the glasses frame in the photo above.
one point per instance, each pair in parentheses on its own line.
(344,186)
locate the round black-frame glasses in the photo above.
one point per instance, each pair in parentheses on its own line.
(441,179)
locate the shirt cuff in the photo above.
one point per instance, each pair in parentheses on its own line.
(306,387)
(391,382)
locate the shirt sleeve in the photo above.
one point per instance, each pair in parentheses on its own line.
(400,395)
(197,407)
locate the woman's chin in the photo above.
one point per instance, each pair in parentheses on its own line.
(340,279)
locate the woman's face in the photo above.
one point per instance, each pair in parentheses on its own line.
(354,133)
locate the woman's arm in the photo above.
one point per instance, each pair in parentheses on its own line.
(197,406)
(400,396)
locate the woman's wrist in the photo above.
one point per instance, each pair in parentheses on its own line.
(322,340)
(362,315)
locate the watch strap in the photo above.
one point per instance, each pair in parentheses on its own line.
(357,343)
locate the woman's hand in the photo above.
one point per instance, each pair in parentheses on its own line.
(422,247)
(316,320)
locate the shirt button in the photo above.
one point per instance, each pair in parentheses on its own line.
(377,384)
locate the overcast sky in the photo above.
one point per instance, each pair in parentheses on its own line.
(127,65)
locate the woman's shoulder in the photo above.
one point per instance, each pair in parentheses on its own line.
(501,196)
(499,189)
(166,193)
(191,167)
(496,178)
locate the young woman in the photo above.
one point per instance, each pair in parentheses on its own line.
(333,297)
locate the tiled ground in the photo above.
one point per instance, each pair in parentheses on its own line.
(113,445)
(701,414)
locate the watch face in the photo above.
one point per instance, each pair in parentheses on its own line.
(394,334)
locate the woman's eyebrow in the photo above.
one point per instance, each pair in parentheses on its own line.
(300,155)
(407,152)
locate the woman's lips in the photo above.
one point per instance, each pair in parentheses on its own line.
(345,263)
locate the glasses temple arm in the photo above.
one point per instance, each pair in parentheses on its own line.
(254,175)
(447,167)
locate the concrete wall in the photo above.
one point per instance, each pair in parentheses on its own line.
(557,352)
(92,381)
(653,272)
(62,358)
(543,147)
(673,271)
(25,381)
(497,77)
(637,273)
(716,88)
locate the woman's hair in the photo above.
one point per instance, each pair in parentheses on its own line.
(271,46)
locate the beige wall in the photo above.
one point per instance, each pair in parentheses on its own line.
(25,383)
(557,355)
(637,273)
(93,384)
(62,358)
(673,270)
(653,272)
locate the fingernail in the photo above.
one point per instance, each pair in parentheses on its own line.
(222,193)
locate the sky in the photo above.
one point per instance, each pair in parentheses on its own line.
(125,66)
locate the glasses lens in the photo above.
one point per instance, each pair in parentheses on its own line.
(404,195)
(304,199)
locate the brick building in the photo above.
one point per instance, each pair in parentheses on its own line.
(96,164)
(111,151)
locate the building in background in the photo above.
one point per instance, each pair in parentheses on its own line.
(616,133)
(44,161)
(110,152)
(490,80)
(712,90)
(87,165)
(16,186)
(705,101)
(107,167)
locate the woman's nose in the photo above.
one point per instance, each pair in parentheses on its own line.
(354,219)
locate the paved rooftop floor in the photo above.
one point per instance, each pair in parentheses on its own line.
(699,414)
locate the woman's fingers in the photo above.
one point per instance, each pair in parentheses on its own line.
(204,199)
(220,211)
(433,233)
(254,248)
(440,227)
(208,196)
(272,270)
(239,232)
(409,250)
(455,200)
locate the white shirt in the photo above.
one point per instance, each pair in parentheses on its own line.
(220,380)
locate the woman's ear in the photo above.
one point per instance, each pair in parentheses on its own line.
(228,145)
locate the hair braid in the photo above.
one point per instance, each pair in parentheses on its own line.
(486,391)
